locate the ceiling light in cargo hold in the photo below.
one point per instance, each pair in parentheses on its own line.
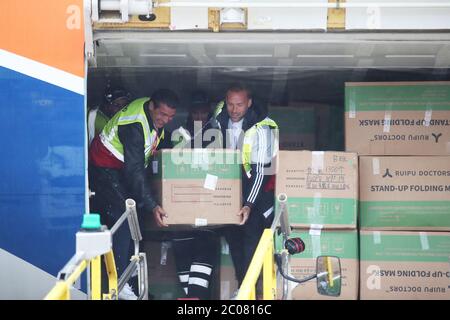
(243,55)
(237,69)
(232,15)
(410,56)
(325,56)
(163,55)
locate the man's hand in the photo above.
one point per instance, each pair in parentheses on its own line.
(159,214)
(244,213)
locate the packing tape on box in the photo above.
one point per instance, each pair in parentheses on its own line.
(205,163)
(200,159)
(352,113)
(387,121)
(165,245)
(155,166)
(317,159)
(428,114)
(317,200)
(197,157)
(375,166)
(352,106)
(199,222)
(315,246)
(315,229)
(424,241)
(376,237)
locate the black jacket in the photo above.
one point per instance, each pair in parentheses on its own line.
(260,183)
(134,175)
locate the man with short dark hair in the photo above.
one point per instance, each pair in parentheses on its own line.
(114,99)
(199,111)
(118,158)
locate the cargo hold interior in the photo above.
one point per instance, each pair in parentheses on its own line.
(300,74)
(299,77)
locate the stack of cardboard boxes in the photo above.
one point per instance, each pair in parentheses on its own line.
(401,131)
(322,199)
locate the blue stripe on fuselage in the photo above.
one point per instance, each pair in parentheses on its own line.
(42,169)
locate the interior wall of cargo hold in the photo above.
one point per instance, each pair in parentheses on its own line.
(308,104)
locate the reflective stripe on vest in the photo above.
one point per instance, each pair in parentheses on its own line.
(218,108)
(96,122)
(133,113)
(248,143)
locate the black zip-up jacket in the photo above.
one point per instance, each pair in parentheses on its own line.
(258,185)
(134,173)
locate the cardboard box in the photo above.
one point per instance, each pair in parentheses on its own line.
(297,127)
(397,118)
(404,265)
(342,244)
(405,193)
(321,188)
(228,281)
(198,187)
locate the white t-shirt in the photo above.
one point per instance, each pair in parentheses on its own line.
(236,130)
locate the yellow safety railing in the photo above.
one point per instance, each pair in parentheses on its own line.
(263,260)
(61,291)
(91,247)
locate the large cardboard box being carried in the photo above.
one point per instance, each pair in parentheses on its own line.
(342,244)
(198,187)
(404,265)
(405,193)
(397,118)
(321,188)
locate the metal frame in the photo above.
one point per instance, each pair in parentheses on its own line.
(81,261)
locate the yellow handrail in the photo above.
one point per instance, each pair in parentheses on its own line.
(112,276)
(92,246)
(96,278)
(61,291)
(263,259)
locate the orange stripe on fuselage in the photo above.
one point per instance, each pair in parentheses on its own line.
(47,31)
